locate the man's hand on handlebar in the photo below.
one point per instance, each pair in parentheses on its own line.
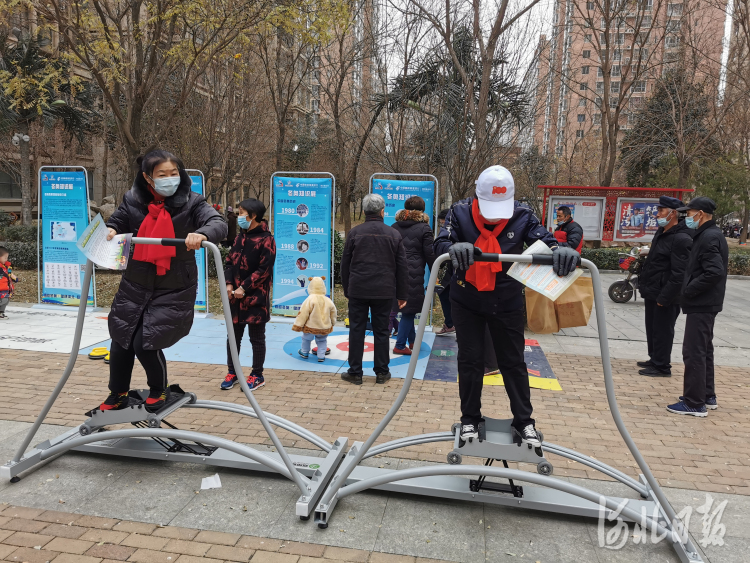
(462,255)
(193,241)
(564,260)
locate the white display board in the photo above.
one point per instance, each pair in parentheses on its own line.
(588,212)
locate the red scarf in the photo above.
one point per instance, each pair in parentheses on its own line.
(482,274)
(157,224)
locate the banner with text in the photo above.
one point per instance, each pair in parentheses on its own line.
(302,229)
(201,297)
(588,212)
(396,192)
(64,212)
(635,219)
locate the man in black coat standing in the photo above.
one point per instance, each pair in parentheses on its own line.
(702,299)
(374,272)
(568,232)
(660,283)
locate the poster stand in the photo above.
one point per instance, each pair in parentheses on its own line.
(304,174)
(39,227)
(199,309)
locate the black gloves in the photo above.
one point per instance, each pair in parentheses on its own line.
(564,260)
(462,255)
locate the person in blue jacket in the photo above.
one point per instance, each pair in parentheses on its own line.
(483,295)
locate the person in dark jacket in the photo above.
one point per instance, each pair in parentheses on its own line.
(248,270)
(153,307)
(660,283)
(444,289)
(482,294)
(703,289)
(413,224)
(568,232)
(232,223)
(374,272)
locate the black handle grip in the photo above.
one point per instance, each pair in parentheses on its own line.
(172,241)
(480,256)
(545,259)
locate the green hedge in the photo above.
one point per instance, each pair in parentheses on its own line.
(739,263)
(212,265)
(604,258)
(18,233)
(22,254)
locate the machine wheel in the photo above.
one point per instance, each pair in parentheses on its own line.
(541,436)
(454,458)
(544,468)
(153,422)
(84,429)
(322,526)
(455,428)
(304,518)
(621,291)
(193,398)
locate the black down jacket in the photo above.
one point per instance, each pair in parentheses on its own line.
(414,227)
(165,302)
(664,270)
(705,280)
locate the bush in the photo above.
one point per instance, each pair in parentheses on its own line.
(22,254)
(18,233)
(5,219)
(211,266)
(338,250)
(739,264)
(604,258)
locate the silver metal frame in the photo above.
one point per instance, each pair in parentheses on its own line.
(333,213)
(323,481)
(603,206)
(40,229)
(205,254)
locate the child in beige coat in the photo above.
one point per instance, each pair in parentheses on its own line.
(315,319)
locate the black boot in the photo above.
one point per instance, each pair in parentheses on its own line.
(355,379)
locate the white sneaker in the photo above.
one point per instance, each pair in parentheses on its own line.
(469,432)
(529,435)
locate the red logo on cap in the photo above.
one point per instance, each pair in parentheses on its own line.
(499,190)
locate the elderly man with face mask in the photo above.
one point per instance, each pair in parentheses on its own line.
(702,299)
(483,295)
(660,283)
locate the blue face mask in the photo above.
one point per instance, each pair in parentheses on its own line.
(663,221)
(691,223)
(166,186)
(243,222)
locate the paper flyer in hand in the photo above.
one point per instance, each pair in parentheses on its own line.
(112,254)
(542,278)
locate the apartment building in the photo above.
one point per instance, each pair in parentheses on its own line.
(602,60)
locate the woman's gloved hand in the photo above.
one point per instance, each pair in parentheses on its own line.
(462,255)
(564,260)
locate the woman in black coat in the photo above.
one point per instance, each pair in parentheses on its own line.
(248,270)
(153,307)
(414,226)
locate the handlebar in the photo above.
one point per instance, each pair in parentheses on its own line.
(164,241)
(545,259)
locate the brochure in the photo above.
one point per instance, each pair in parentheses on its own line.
(112,254)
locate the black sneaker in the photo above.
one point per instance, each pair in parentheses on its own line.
(652,371)
(382,377)
(115,402)
(469,432)
(529,435)
(646,364)
(157,398)
(351,378)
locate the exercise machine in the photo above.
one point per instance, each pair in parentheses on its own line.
(323,481)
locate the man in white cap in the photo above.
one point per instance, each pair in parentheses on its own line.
(483,295)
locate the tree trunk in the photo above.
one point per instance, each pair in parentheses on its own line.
(26,201)
(280,144)
(745,221)
(346,208)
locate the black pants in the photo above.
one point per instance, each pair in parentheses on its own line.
(257,335)
(122,360)
(445,303)
(380,310)
(660,323)
(698,355)
(506,332)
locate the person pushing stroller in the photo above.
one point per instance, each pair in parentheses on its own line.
(483,295)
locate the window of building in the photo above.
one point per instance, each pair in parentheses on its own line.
(635,102)
(559,151)
(639,86)
(672,41)
(614,87)
(586,54)
(583,85)
(647,5)
(632,118)
(599,72)
(584,70)
(590,6)
(616,54)
(581,117)
(315,106)
(674,10)
(597,119)
(600,86)
(587,38)
(619,38)
(673,26)
(646,22)
(9,188)
(581,102)
(579,134)
(615,70)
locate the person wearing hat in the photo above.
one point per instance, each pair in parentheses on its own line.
(660,283)
(703,290)
(483,295)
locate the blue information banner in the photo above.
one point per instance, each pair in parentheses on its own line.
(302,229)
(201,298)
(64,210)
(396,192)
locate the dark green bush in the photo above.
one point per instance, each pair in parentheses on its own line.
(739,263)
(22,254)
(5,219)
(18,233)
(604,258)
(338,250)
(212,265)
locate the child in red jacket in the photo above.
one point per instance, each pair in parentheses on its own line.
(7,280)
